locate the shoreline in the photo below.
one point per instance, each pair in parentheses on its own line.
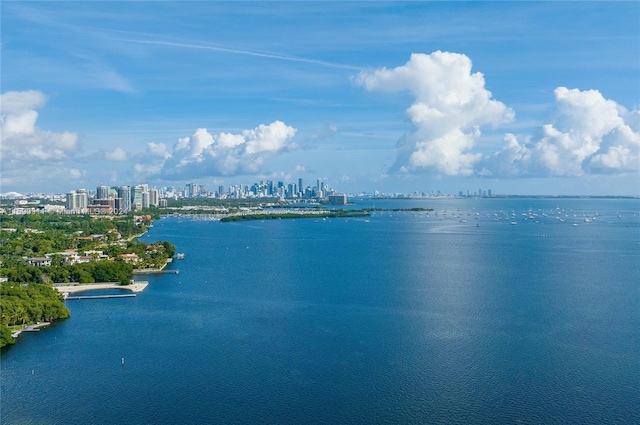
(73,288)
(152,271)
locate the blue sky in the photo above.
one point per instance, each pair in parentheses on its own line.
(519,97)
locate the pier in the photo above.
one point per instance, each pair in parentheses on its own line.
(154,271)
(67,290)
(94,297)
(30,328)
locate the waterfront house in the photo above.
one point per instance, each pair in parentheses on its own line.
(38,261)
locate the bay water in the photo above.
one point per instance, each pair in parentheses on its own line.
(481,311)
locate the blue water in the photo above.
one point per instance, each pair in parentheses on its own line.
(456,316)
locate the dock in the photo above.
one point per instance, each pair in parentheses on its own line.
(95,297)
(155,271)
(67,290)
(30,328)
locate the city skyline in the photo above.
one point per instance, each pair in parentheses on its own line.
(399,97)
(135,193)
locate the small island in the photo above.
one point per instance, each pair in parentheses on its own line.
(270,214)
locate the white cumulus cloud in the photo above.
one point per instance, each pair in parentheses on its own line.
(117,154)
(589,135)
(451,104)
(22,142)
(223,154)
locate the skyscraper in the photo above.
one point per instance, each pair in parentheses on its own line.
(77,200)
(145,199)
(124,192)
(102,192)
(154,197)
(141,196)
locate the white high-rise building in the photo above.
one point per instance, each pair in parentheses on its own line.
(124,192)
(102,192)
(145,199)
(154,197)
(77,201)
(141,196)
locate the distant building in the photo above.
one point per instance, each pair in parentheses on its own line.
(102,192)
(154,197)
(145,200)
(77,201)
(141,196)
(338,199)
(103,206)
(124,193)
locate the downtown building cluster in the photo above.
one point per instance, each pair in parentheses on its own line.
(123,199)
(262,189)
(112,200)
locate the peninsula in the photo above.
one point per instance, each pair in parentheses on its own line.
(45,255)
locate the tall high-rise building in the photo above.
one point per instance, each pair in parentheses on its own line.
(124,192)
(141,196)
(192,190)
(145,200)
(71,200)
(82,198)
(136,202)
(77,200)
(154,197)
(102,192)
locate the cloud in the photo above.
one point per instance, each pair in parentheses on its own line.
(158,150)
(22,142)
(14,102)
(224,154)
(588,135)
(118,154)
(101,75)
(451,104)
(327,131)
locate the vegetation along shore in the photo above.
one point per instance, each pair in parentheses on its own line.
(38,251)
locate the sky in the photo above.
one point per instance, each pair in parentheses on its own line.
(531,98)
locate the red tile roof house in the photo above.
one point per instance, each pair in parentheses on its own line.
(129,258)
